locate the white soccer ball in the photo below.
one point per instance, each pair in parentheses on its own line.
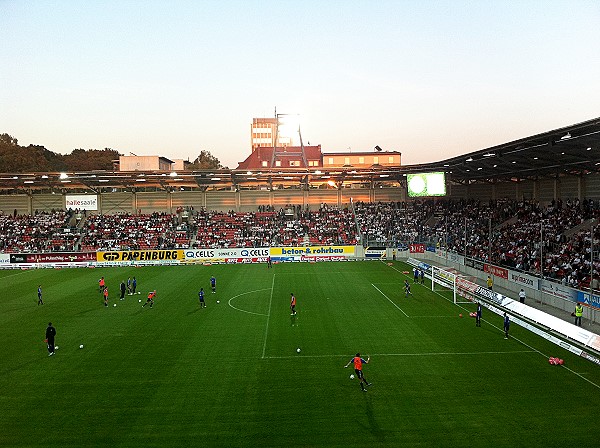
(298,350)
(352,376)
(140,300)
(218,301)
(139,292)
(114,304)
(81,346)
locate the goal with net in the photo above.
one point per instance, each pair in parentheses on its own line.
(449,279)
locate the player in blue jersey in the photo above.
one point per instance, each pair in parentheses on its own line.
(40,301)
(201,298)
(506,325)
(213,284)
(407,289)
(478,315)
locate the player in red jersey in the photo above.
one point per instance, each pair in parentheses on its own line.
(150,299)
(358,363)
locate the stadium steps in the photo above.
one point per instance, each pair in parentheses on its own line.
(508,222)
(584,226)
(432,221)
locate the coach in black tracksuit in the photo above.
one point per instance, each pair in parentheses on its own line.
(50,333)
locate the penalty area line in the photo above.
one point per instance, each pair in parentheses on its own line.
(512,337)
(390,300)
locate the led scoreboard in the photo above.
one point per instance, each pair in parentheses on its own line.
(426,184)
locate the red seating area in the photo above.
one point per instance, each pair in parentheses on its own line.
(40,232)
(326,226)
(128,232)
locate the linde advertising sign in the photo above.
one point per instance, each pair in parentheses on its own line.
(82,201)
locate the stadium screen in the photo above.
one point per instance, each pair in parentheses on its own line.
(426,184)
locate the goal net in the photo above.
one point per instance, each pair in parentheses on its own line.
(444,279)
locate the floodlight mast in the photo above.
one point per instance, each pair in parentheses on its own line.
(296,128)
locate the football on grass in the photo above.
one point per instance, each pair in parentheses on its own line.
(352,376)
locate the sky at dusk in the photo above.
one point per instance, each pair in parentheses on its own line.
(431,79)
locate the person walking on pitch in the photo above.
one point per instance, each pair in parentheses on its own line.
(407,289)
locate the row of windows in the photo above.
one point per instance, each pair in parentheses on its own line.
(361,160)
(331,160)
(265,163)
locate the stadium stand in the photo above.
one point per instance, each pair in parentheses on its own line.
(463,226)
(40,232)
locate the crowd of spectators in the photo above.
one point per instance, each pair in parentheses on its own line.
(290,225)
(41,232)
(127,231)
(523,235)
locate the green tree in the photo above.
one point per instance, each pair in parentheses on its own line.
(32,158)
(92,159)
(206,161)
(8,140)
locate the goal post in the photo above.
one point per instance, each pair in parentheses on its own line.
(442,279)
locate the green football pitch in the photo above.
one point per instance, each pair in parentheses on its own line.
(229,375)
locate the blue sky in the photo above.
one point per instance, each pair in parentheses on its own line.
(431,79)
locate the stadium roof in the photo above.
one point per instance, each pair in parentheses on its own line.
(571,150)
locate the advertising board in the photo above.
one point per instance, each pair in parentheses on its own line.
(140,255)
(81,201)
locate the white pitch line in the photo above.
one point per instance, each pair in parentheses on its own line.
(16,273)
(512,337)
(389,300)
(507,352)
(245,311)
(268,315)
